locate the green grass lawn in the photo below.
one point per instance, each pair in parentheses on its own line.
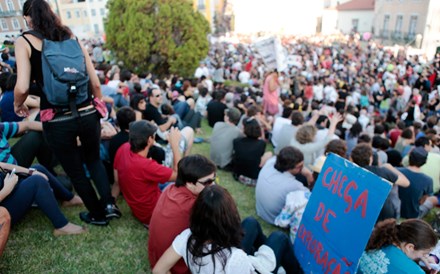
(119,248)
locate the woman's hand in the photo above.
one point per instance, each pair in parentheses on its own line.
(21,110)
(9,183)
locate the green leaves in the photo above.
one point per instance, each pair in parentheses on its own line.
(162,36)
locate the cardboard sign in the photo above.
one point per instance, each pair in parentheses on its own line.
(339,217)
(272,53)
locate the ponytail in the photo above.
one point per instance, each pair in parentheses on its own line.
(45,21)
(413,231)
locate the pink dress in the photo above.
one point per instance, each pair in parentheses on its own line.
(270,97)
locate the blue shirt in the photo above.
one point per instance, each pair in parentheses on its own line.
(7,107)
(389,259)
(8,130)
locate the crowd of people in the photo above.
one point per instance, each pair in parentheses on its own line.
(133,135)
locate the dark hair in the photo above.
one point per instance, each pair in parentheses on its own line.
(214,220)
(135,99)
(379,129)
(297,118)
(11,82)
(125,75)
(380,143)
(125,116)
(337,146)
(253,110)
(364,138)
(422,141)
(3,80)
(416,160)
(361,154)
(412,231)
(45,21)
(252,128)
(203,91)
(406,133)
(139,141)
(5,56)
(193,167)
(356,129)
(288,158)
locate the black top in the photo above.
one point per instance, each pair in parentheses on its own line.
(151,113)
(216,112)
(247,156)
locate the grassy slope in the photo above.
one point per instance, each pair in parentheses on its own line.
(119,248)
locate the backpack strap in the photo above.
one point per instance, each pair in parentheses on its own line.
(34,33)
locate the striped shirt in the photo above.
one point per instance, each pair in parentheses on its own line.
(7,130)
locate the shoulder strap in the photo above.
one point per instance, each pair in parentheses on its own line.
(34,33)
(29,42)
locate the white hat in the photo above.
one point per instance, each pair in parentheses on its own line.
(349,121)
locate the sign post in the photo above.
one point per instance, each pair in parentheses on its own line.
(339,217)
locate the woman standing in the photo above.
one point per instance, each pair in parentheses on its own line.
(62,129)
(271,92)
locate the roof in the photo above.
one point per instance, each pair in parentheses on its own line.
(357,5)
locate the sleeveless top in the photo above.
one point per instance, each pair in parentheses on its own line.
(36,84)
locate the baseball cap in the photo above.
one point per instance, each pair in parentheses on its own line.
(141,130)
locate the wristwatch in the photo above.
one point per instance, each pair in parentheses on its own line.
(31,170)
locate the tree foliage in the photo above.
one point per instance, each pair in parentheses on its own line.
(162,36)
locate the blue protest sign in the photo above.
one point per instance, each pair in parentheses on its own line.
(339,217)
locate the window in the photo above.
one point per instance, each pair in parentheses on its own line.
(77,13)
(201,4)
(412,25)
(386,23)
(93,12)
(85,13)
(398,27)
(102,12)
(15,23)
(354,24)
(68,15)
(10,5)
(96,27)
(4,24)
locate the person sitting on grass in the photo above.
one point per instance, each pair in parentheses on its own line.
(276,179)
(172,212)
(17,196)
(249,153)
(138,176)
(218,242)
(397,248)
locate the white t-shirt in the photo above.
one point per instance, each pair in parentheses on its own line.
(237,262)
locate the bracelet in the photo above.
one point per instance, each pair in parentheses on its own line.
(31,170)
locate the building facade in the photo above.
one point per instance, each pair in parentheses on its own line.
(356,15)
(11,18)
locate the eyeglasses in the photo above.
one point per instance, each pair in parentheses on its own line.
(158,95)
(208,181)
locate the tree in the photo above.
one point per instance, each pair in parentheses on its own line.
(162,36)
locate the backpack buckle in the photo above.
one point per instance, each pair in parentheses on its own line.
(73,89)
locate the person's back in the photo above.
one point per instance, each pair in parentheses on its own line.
(169,219)
(247,156)
(287,133)
(410,197)
(215,111)
(221,141)
(274,185)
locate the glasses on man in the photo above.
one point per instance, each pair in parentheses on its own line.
(208,181)
(158,95)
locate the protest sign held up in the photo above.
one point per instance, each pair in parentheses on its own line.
(339,217)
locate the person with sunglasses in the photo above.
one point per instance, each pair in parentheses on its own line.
(172,212)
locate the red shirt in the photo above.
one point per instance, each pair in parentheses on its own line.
(170,218)
(139,178)
(394,135)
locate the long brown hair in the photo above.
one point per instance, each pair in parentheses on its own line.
(45,21)
(215,221)
(413,231)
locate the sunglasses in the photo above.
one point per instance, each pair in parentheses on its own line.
(208,181)
(157,95)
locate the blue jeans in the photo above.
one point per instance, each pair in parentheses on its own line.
(61,136)
(59,190)
(27,191)
(277,241)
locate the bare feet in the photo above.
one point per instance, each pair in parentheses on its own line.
(69,229)
(76,200)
